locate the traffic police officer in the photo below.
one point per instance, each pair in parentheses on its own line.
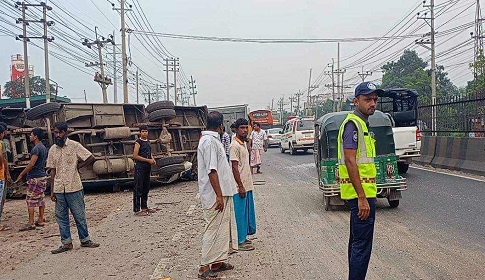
(357,177)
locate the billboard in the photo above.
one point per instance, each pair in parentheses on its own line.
(17,68)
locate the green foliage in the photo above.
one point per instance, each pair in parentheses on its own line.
(15,89)
(478,67)
(410,72)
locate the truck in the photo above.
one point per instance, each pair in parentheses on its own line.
(401,106)
(231,114)
(108,131)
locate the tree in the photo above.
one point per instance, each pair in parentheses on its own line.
(15,89)
(410,72)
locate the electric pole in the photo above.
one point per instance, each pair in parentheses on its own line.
(309,103)
(332,85)
(175,69)
(168,82)
(292,99)
(280,105)
(192,88)
(137,85)
(431,42)
(25,22)
(100,78)
(300,93)
(171,64)
(115,85)
(122,11)
(363,75)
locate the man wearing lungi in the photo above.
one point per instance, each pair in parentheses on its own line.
(36,179)
(244,200)
(216,188)
(258,142)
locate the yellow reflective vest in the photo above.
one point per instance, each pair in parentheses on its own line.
(366,152)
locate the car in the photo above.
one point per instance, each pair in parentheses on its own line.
(297,135)
(274,137)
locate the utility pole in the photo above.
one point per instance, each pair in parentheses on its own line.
(292,99)
(85,97)
(137,85)
(192,88)
(115,85)
(431,42)
(100,78)
(478,70)
(122,10)
(309,103)
(168,82)
(25,22)
(332,85)
(280,105)
(363,75)
(300,93)
(175,69)
(338,70)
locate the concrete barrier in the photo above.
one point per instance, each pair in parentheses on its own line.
(428,146)
(453,153)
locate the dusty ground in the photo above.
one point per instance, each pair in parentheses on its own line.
(436,233)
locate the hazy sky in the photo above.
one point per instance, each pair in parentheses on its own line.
(236,73)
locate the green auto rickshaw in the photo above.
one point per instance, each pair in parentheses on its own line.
(389,182)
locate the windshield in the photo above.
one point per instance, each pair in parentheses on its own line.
(305,125)
(273,131)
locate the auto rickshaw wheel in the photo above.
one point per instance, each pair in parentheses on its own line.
(326,202)
(402,167)
(393,203)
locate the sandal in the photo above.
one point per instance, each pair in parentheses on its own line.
(4,228)
(37,224)
(61,249)
(208,275)
(245,247)
(27,227)
(224,266)
(152,210)
(142,213)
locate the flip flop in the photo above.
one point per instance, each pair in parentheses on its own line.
(4,228)
(27,227)
(37,224)
(142,213)
(209,275)
(245,247)
(224,266)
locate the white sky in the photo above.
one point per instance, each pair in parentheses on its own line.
(235,73)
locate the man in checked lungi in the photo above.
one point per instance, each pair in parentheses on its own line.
(36,179)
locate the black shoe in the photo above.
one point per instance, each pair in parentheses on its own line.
(62,249)
(89,244)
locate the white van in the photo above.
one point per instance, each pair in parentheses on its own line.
(298,134)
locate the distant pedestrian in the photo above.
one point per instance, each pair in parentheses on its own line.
(36,179)
(258,142)
(142,154)
(226,141)
(357,172)
(67,189)
(4,174)
(216,188)
(233,131)
(243,200)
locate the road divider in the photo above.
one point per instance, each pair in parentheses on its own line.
(453,153)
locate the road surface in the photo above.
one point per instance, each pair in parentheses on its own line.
(436,233)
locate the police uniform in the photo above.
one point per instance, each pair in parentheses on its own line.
(354,134)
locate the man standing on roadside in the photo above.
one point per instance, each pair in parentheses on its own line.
(243,200)
(142,154)
(216,188)
(258,142)
(357,171)
(4,174)
(67,189)
(36,179)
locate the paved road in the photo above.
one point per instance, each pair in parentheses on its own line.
(436,233)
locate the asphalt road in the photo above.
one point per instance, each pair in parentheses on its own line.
(436,233)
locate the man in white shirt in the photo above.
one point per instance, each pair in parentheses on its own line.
(217,188)
(258,142)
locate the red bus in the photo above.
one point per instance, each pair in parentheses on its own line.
(263,117)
